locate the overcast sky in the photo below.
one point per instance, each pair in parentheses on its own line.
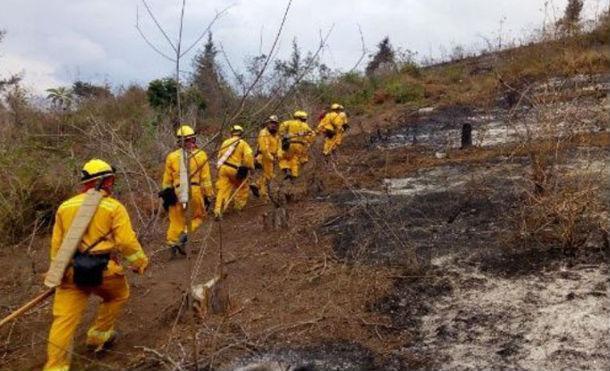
(54,42)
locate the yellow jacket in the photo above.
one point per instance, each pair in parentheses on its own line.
(332,121)
(241,156)
(110,220)
(199,170)
(297,131)
(268,144)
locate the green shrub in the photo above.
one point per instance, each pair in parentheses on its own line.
(411,69)
(403,92)
(454,73)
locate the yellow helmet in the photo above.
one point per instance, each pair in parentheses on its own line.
(96,169)
(300,115)
(336,106)
(237,129)
(185,131)
(273,118)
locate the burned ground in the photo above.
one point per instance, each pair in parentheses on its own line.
(347,356)
(339,290)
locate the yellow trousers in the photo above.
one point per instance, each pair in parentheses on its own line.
(226,184)
(305,155)
(331,144)
(291,159)
(68,308)
(177,216)
(266,176)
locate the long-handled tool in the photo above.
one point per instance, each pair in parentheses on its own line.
(226,204)
(66,251)
(27,306)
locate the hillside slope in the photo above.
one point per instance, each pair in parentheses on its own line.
(404,251)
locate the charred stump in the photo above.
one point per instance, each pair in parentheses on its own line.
(466,136)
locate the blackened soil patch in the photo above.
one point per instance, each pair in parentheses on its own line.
(381,230)
(344,356)
(519,261)
(413,297)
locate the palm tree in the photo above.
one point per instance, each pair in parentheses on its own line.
(61,97)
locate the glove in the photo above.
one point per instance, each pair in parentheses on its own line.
(345,127)
(242,172)
(207,202)
(330,134)
(168,195)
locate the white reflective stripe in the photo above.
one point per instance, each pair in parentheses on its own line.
(101,335)
(57,368)
(135,256)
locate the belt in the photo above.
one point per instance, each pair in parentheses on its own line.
(230,165)
(192,183)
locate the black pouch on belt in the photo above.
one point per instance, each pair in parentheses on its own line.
(89,269)
(242,172)
(285,143)
(330,134)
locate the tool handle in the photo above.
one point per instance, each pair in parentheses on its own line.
(27,306)
(226,204)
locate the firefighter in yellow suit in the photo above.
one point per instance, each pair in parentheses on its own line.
(333,126)
(268,145)
(295,137)
(235,161)
(201,194)
(109,235)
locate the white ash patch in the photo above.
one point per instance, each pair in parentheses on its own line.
(442,130)
(554,320)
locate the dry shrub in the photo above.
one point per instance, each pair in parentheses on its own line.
(41,153)
(562,197)
(569,212)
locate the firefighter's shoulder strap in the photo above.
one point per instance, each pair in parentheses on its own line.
(225,156)
(73,237)
(183,192)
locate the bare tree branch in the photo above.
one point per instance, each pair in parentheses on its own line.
(207,29)
(307,69)
(177,49)
(152,16)
(260,41)
(152,46)
(236,75)
(363,55)
(262,71)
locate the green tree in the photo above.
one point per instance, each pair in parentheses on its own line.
(570,22)
(308,69)
(61,97)
(293,66)
(213,89)
(383,58)
(86,90)
(161,94)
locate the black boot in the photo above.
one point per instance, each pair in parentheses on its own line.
(255,191)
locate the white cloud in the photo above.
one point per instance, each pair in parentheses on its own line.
(37,75)
(61,40)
